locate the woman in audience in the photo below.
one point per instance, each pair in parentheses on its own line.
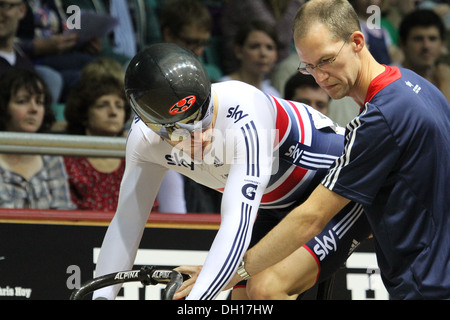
(256,48)
(96,107)
(29,180)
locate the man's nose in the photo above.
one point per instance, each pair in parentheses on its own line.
(319,75)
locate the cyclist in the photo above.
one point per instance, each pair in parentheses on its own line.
(264,153)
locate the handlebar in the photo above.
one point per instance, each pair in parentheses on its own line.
(147,275)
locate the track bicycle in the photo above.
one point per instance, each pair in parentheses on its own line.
(151,275)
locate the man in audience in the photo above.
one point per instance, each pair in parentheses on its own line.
(304,89)
(422,39)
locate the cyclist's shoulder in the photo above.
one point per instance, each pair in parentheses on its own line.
(237,100)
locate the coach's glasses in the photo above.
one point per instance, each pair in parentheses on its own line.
(324,65)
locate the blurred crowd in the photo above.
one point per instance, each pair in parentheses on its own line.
(55,80)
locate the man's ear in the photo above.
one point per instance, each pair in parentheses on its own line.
(358,41)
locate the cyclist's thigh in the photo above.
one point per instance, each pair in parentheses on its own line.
(339,239)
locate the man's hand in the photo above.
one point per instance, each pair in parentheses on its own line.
(187,285)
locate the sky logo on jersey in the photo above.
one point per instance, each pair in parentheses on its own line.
(307,159)
(236,114)
(249,191)
(325,245)
(180,162)
(183,105)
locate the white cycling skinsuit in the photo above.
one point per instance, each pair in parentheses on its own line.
(266,153)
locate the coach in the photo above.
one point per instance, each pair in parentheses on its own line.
(396,161)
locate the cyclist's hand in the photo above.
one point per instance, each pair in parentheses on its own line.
(187,285)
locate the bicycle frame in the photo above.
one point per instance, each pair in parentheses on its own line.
(147,275)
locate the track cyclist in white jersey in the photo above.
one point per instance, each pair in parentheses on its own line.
(263,153)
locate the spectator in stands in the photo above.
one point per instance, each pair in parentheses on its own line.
(121,43)
(304,89)
(192,34)
(279,14)
(256,48)
(189,24)
(103,66)
(377,38)
(393,12)
(11,54)
(96,107)
(47,44)
(29,180)
(422,38)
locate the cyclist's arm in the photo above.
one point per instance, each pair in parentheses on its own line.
(247,180)
(139,188)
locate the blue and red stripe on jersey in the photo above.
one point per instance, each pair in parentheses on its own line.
(294,181)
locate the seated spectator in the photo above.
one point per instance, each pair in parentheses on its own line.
(98,69)
(103,67)
(96,107)
(120,44)
(47,44)
(304,89)
(27,180)
(422,38)
(11,54)
(393,12)
(277,14)
(256,48)
(378,39)
(190,33)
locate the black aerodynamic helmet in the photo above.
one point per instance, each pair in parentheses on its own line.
(166,84)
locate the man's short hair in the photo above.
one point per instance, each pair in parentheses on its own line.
(420,18)
(298,80)
(337,15)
